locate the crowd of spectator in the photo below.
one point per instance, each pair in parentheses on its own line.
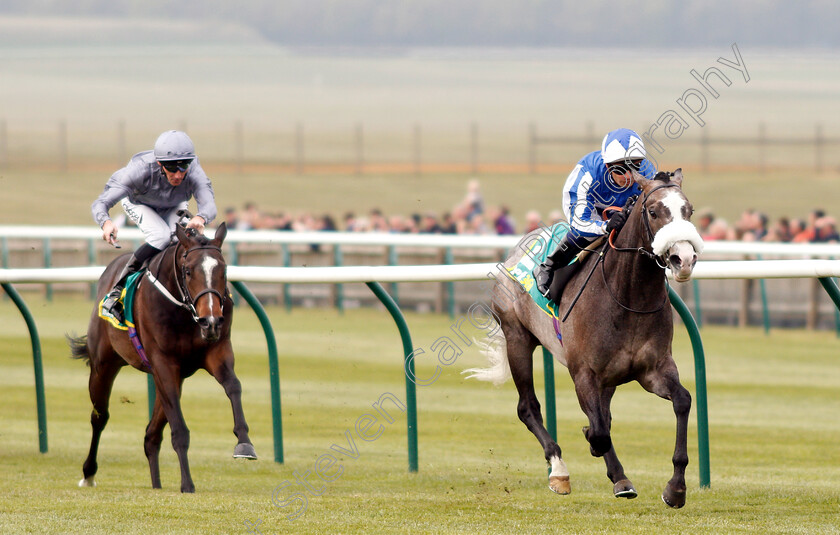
(753,225)
(471,216)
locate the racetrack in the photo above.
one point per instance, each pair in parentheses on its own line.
(773,405)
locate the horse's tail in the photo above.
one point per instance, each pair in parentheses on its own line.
(78,347)
(495,350)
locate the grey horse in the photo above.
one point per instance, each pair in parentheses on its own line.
(620,329)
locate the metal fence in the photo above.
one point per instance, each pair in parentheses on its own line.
(359,149)
(768,303)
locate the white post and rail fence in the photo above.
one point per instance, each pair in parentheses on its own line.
(822,270)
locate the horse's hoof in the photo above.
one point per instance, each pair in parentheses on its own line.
(243,450)
(624,489)
(673,498)
(87,482)
(560,484)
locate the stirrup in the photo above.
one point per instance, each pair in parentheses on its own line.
(112,304)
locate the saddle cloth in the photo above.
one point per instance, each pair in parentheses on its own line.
(535,253)
(127,300)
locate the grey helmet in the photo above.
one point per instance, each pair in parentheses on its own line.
(174,145)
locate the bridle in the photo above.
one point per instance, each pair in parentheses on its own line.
(639,250)
(646,219)
(186,302)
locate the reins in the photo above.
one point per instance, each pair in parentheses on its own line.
(639,250)
(186,302)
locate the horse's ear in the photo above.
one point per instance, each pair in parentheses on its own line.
(643,182)
(221,232)
(678,177)
(181,234)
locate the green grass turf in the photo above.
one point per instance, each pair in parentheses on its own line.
(773,408)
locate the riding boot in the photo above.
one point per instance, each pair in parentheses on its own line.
(560,257)
(112,303)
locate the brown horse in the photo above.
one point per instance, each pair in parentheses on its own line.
(619,330)
(183,314)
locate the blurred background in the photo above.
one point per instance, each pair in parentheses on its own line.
(303,110)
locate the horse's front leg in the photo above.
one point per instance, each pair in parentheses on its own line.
(595,402)
(622,487)
(153,439)
(168,382)
(665,383)
(220,365)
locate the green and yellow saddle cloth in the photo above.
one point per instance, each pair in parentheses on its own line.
(535,253)
(127,300)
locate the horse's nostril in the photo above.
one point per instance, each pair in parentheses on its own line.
(675,260)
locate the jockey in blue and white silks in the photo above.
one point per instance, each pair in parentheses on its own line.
(601,179)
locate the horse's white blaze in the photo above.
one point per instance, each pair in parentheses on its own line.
(208,265)
(678,229)
(674,202)
(558,467)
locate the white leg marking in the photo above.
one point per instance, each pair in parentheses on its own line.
(87,482)
(558,468)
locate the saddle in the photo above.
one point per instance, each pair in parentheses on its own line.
(538,250)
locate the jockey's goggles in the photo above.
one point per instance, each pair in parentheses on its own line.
(625,166)
(175,166)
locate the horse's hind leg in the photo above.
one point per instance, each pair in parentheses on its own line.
(520,356)
(220,365)
(152,441)
(103,370)
(665,383)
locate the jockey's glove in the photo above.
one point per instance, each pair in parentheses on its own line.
(617,220)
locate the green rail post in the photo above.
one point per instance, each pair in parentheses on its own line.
(836,316)
(40,400)
(410,387)
(700,386)
(393,260)
(48,264)
(151,393)
(233,260)
(273,367)
(339,288)
(831,288)
(450,285)
(765,310)
(698,310)
(550,407)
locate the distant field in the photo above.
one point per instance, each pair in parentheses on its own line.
(773,412)
(209,89)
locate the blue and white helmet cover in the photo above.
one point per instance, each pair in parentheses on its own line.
(622,144)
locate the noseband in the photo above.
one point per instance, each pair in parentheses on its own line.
(640,250)
(187,302)
(646,218)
